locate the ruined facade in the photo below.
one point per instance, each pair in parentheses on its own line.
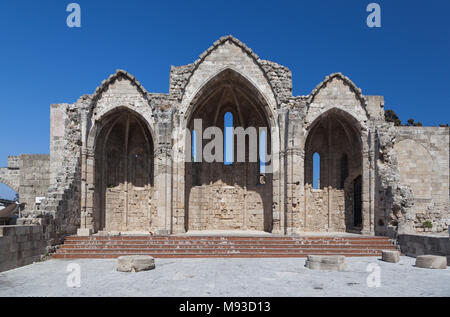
(118,157)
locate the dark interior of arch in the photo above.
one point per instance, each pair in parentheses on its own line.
(335,136)
(235,196)
(124,174)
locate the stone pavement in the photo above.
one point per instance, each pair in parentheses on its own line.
(226,277)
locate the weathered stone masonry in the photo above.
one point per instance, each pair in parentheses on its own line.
(28,175)
(115,164)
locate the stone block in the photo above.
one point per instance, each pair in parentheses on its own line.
(431,262)
(391,256)
(135,263)
(326,262)
(161,232)
(84,232)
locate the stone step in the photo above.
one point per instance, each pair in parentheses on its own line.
(226,246)
(235,240)
(216,251)
(212,255)
(134,237)
(220,246)
(170,244)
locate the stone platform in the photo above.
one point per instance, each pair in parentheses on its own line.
(221,246)
(270,277)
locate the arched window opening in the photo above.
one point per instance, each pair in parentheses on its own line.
(262,152)
(194,147)
(196,171)
(228,144)
(316,170)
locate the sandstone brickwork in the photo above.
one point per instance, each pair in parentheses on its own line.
(20,245)
(28,175)
(118,157)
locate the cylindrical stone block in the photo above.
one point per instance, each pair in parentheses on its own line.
(391,256)
(431,262)
(326,263)
(135,263)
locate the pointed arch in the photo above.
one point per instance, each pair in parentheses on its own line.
(347,81)
(105,118)
(9,179)
(342,117)
(9,184)
(224,93)
(123,173)
(339,139)
(119,74)
(217,59)
(329,94)
(234,41)
(232,77)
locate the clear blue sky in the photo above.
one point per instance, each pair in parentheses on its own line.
(43,61)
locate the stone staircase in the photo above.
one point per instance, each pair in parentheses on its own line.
(220,246)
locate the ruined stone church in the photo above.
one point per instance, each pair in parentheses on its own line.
(118,163)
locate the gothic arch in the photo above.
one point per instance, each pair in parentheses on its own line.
(347,97)
(99,108)
(119,74)
(245,50)
(336,134)
(248,66)
(119,167)
(341,116)
(238,77)
(10,178)
(249,204)
(346,80)
(10,184)
(105,118)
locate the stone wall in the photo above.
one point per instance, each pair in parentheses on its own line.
(423,161)
(29,176)
(337,123)
(59,213)
(398,189)
(10,175)
(34,178)
(20,245)
(228,197)
(415,245)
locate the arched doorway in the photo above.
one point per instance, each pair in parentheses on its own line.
(234,194)
(336,205)
(124,186)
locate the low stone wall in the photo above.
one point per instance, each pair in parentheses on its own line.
(20,245)
(414,245)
